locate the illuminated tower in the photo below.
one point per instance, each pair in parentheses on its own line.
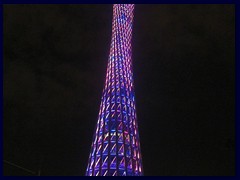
(115,150)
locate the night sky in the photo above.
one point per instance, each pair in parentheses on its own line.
(55,60)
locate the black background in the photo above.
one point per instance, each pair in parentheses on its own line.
(55,59)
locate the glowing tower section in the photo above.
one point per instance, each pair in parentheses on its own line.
(115,149)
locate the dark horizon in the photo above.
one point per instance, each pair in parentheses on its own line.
(55,60)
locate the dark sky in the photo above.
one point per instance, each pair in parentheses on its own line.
(55,59)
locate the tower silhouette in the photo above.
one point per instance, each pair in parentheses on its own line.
(115,149)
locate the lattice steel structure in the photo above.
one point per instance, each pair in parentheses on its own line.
(115,150)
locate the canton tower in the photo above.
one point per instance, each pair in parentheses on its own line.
(115,149)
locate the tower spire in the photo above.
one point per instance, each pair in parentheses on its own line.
(115,149)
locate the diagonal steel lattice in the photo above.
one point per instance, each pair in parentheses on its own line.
(115,149)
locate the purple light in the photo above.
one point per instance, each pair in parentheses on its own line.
(115,150)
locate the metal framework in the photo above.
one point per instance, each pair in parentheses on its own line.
(115,150)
